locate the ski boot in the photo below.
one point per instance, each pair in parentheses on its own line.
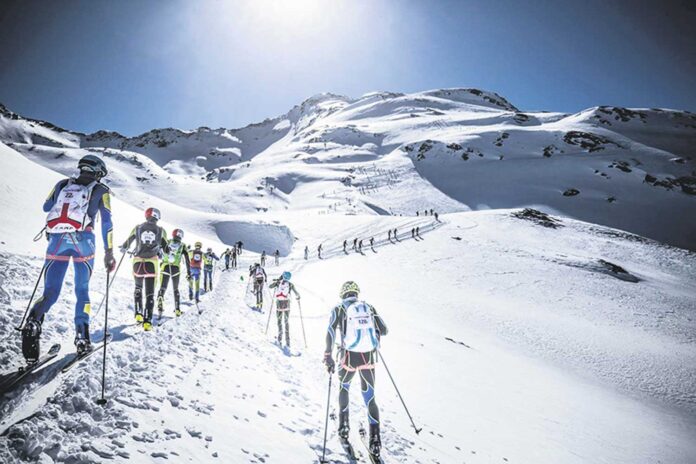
(160,306)
(31,344)
(147,326)
(83,344)
(138,318)
(177,312)
(375,441)
(343,426)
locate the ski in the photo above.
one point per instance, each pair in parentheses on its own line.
(13,378)
(286,350)
(374,459)
(350,451)
(77,358)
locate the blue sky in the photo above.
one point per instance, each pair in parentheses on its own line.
(132,66)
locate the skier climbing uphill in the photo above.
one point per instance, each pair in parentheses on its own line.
(360,328)
(259,277)
(72,208)
(283,288)
(171,269)
(196,259)
(150,240)
(208,264)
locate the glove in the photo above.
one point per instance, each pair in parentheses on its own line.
(329,363)
(298,297)
(123,249)
(109,261)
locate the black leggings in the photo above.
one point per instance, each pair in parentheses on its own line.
(167,272)
(367,384)
(148,269)
(280,315)
(258,291)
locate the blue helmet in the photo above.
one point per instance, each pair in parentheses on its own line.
(286,275)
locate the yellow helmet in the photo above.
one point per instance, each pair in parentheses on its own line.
(349,287)
(198,245)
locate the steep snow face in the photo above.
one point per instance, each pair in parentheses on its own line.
(460,149)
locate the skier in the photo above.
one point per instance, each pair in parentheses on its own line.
(372,243)
(276,257)
(233,254)
(72,208)
(196,259)
(239,247)
(395,236)
(319,248)
(418,231)
(390,234)
(259,277)
(150,240)
(361,329)
(226,255)
(306,252)
(208,264)
(171,269)
(263,258)
(437,217)
(345,245)
(416,213)
(283,288)
(413,232)
(355,244)
(431,211)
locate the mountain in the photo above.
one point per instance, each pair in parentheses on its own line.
(464,149)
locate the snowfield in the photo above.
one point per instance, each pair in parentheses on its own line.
(515,336)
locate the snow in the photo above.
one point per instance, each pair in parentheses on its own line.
(510,341)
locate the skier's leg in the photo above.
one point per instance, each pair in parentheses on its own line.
(287,327)
(175,287)
(83,273)
(279,317)
(149,298)
(345,376)
(367,383)
(53,282)
(138,295)
(164,282)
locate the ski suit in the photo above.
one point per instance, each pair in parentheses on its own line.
(171,269)
(361,328)
(196,259)
(72,208)
(259,275)
(208,270)
(150,241)
(282,304)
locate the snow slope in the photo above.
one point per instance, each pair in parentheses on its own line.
(514,337)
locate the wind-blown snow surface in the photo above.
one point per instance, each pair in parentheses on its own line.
(513,338)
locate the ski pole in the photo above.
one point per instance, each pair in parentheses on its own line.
(96,313)
(326,421)
(299,305)
(418,430)
(102,401)
(270,311)
(26,311)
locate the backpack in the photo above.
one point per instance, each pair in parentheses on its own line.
(148,240)
(360,335)
(258,273)
(283,290)
(69,213)
(175,250)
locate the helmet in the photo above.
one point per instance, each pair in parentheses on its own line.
(153,213)
(94,164)
(286,275)
(178,233)
(257,265)
(209,250)
(198,245)
(349,287)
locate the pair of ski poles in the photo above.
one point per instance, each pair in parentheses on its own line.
(299,306)
(328,402)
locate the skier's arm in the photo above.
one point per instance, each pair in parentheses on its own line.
(293,289)
(107,227)
(188,261)
(274,283)
(126,245)
(163,242)
(379,322)
(53,195)
(331,331)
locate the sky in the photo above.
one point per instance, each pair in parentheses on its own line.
(132,66)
